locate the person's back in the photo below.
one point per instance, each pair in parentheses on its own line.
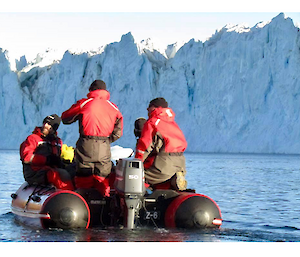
(96,114)
(161,146)
(163,122)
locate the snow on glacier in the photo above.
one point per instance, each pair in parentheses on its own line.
(236,92)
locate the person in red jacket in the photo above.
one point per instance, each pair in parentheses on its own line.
(100,123)
(40,156)
(161,146)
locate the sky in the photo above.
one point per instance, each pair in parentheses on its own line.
(32,27)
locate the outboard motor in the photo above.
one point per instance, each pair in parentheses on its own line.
(129,184)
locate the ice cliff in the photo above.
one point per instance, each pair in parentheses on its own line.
(237,92)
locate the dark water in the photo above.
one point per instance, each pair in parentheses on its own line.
(258,195)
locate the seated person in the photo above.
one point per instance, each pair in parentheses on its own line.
(160,146)
(40,156)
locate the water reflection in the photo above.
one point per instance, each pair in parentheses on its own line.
(139,235)
(111,234)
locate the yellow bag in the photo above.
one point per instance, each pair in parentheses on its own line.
(67,153)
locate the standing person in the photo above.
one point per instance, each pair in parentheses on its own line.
(161,146)
(40,156)
(100,123)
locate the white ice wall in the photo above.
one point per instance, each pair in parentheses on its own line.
(236,92)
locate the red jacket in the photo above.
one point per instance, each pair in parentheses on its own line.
(161,125)
(97,116)
(36,148)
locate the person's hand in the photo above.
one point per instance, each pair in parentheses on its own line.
(53,161)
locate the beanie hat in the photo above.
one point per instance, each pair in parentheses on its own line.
(159,102)
(53,120)
(138,126)
(97,84)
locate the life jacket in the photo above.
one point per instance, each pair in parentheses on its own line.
(35,149)
(97,116)
(160,134)
(34,152)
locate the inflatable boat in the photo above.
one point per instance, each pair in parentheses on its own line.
(130,205)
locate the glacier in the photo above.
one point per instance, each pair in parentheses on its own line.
(237,92)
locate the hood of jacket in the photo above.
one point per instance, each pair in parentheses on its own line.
(99,93)
(166,114)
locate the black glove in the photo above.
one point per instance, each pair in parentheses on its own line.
(54,161)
